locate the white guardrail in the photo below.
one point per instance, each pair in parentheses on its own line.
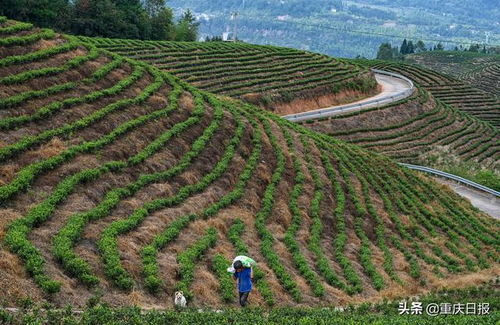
(453,177)
(325,112)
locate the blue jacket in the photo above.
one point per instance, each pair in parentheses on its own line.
(244,280)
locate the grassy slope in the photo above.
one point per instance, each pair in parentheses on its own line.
(119,178)
(478,69)
(409,131)
(276,78)
(450,90)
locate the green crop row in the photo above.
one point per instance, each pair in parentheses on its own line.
(324,140)
(251,63)
(328,144)
(290,234)
(341,238)
(27,174)
(384,192)
(16,27)
(235,90)
(69,234)
(471,229)
(47,110)
(316,225)
(149,252)
(426,217)
(18,231)
(419,117)
(235,233)
(251,70)
(265,235)
(300,84)
(383,313)
(402,135)
(92,54)
(263,73)
(380,226)
(219,266)
(108,245)
(483,145)
(403,232)
(27,39)
(188,257)
(409,232)
(242,61)
(100,73)
(365,254)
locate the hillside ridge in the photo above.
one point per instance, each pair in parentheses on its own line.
(120,179)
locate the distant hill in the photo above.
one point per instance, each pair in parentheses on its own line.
(120,182)
(291,23)
(282,80)
(478,69)
(407,130)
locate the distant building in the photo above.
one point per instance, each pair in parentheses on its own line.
(227,37)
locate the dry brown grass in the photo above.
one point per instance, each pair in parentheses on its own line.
(307,103)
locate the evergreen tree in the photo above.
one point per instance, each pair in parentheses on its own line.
(439,47)
(404,47)
(187,28)
(385,52)
(411,48)
(420,46)
(162,25)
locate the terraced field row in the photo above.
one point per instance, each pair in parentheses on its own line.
(480,70)
(451,91)
(485,77)
(258,74)
(408,129)
(118,177)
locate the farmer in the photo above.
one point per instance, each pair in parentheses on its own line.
(244,276)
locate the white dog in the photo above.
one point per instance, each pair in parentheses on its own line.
(179,299)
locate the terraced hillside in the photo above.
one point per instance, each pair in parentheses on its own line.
(478,69)
(119,179)
(404,135)
(450,90)
(411,129)
(281,79)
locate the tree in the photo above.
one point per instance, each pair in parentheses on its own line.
(111,18)
(154,7)
(404,47)
(162,25)
(187,28)
(474,48)
(420,46)
(97,18)
(385,52)
(411,48)
(439,47)
(43,13)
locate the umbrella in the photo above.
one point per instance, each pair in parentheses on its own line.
(245,260)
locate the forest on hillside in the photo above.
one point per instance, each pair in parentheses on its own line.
(136,19)
(348,28)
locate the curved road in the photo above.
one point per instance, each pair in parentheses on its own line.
(483,201)
(394,87)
